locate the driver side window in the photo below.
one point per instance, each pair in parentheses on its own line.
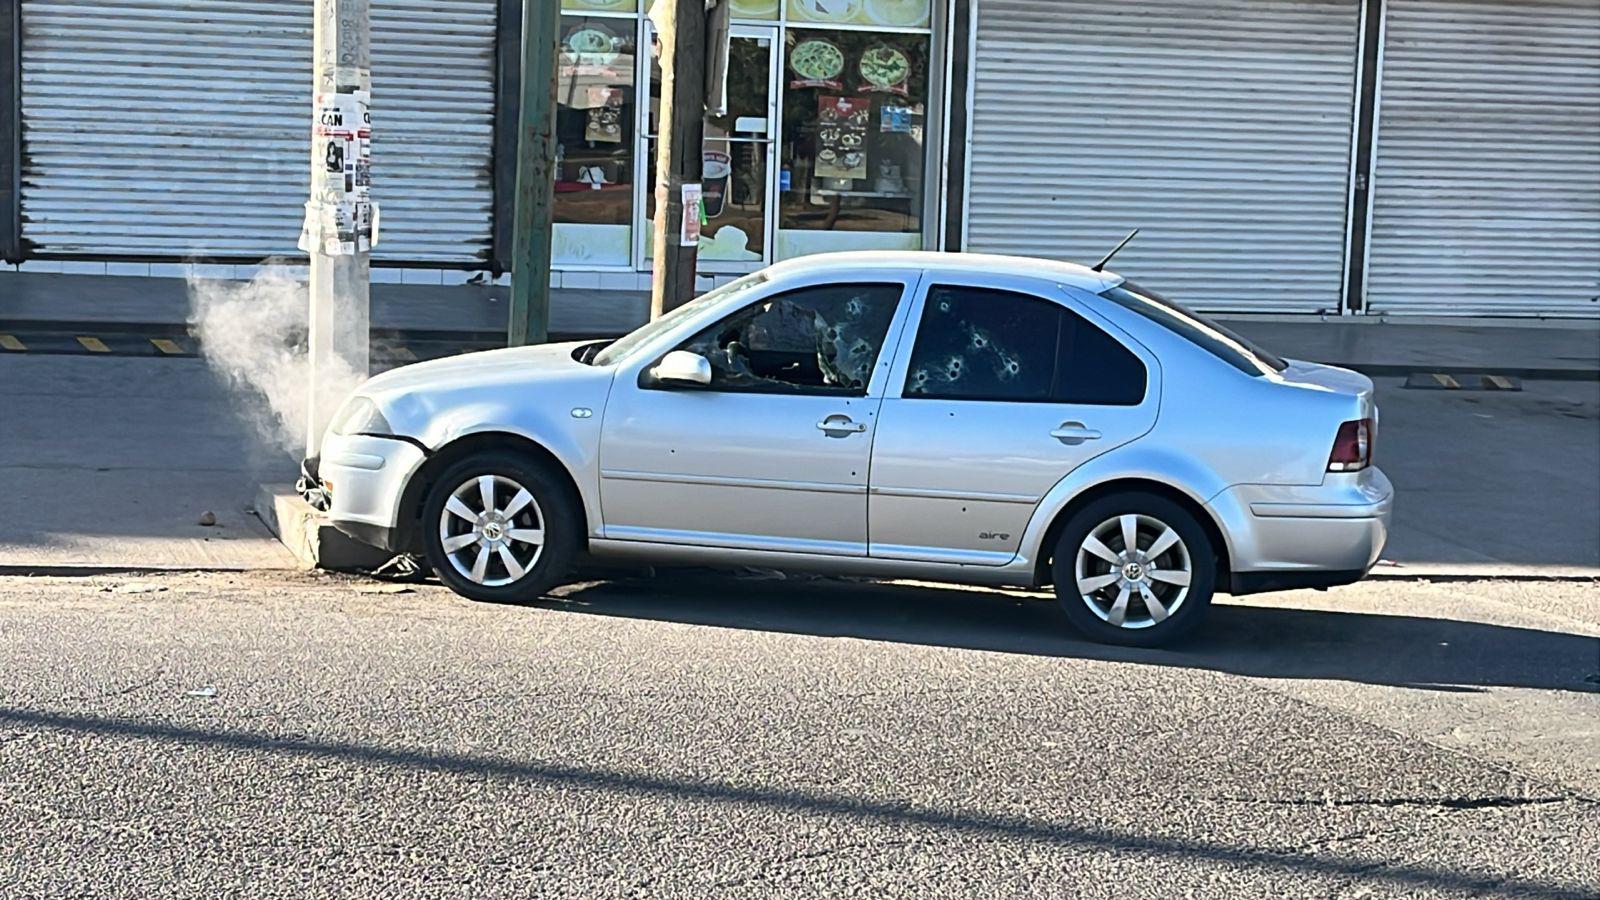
(816,340)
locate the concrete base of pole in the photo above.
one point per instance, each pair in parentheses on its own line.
(309,535)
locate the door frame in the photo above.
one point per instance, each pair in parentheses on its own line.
(643,228)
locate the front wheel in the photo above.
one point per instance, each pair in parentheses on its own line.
(1134,569)
(500,528)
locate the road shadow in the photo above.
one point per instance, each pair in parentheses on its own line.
(1404,876)
(1395,650)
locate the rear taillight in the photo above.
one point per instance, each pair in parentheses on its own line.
(1352,447)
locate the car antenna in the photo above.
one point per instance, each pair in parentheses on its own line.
(1107,258)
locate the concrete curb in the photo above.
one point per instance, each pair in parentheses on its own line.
(308,534)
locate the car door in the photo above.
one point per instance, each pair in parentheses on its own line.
(772,454)
(1002,387)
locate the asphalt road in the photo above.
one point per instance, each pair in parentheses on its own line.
(298,735)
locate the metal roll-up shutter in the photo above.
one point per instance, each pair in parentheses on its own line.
(1222,130)
(1486,185)
(177,128)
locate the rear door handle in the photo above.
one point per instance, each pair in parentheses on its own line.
(1074,433)
(839,425)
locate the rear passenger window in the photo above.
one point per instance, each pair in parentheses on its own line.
(983,344)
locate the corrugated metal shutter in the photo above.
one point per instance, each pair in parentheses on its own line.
(1221,129)
(178,127)
(1486,188)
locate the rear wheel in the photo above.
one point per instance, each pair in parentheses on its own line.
(499,527)
(1134,569)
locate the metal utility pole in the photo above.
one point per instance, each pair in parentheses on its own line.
(681,25)
(340,224)
(535,197)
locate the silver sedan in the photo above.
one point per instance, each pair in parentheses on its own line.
(962,418)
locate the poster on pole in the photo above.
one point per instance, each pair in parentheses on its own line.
(340,216)
(690,236)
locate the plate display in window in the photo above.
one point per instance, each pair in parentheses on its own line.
(901,13)
(816,60)
(753,9)
(840,11)
(884,67)
(591,45)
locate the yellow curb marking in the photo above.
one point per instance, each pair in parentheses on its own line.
(166,346)
(1501,382)
(93,344)
(1447,381)
(11,343)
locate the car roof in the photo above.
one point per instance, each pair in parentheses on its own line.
(1027,266)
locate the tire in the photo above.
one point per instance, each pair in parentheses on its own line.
(1139,601)
(541,533)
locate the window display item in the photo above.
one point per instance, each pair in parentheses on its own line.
(591,45)
(605,124)
(885,69)
(816,63)
(841,136)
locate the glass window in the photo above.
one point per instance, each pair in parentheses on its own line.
(1094,368)
(610,6)
(621,347)
(812,340)
(854,109)
(595,120)
(734,158)
(883,13)
(981,344)
(1231,348)
(753,9)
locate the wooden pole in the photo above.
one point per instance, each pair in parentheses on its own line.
(681,27)
(535,183)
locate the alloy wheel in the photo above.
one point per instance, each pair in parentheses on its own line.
(1133,571)
(492,530)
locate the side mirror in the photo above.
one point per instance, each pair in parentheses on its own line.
(680,368)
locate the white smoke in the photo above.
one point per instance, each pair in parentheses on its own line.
(253,335)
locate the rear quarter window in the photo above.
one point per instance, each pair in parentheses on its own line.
(1217,340)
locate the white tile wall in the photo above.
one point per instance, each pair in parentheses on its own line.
(387,275)
(77,267)
(211,270)
(169,270)
(580,279)
(618,281)
(45,266)
(128,268)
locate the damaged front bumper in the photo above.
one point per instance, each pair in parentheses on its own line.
(363,480)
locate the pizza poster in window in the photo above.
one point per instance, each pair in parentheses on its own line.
(816,63)
(884,70)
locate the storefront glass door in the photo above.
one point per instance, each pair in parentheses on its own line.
(739,183)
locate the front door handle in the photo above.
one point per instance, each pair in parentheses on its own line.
(1074,433)
(840,425)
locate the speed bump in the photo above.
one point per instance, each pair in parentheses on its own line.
(1443,381)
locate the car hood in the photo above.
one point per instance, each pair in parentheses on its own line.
(481,369)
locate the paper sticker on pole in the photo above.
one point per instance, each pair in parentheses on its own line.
(692,212)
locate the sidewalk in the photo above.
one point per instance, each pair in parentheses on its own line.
(1536,349)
